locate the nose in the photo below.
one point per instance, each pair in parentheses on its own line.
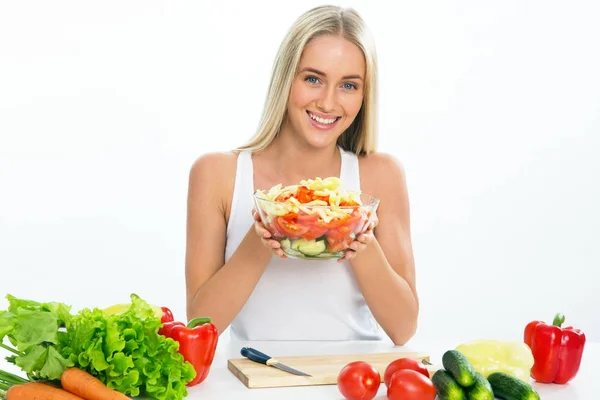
(327,98)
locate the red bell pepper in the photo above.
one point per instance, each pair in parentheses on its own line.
(197,343)
(167,315)
(557,351)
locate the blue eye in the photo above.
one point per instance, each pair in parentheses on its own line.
(312,79)
(349,86)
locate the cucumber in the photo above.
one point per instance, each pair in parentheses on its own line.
(447,388)
(508,387)
(310,247)
(285,244)
(481,389)
(294,244)
(459,367)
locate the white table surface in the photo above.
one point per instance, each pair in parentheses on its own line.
(222,384)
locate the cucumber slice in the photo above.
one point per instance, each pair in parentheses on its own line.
(310,247)
(294,244)
(285,244)
(294,253)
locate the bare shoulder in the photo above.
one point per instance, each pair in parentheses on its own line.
(208,163)
(382,174)
(212,176)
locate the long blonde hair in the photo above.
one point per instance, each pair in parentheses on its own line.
(361,136)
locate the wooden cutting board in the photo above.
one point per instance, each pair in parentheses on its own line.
(323,368)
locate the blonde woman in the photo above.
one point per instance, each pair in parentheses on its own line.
(321,109)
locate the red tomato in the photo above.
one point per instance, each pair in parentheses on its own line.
(304,194)
(306,218)
(334,245)
(289,228)
(313,232)
(407,384)
(283,197)
(403,363)
(359,380)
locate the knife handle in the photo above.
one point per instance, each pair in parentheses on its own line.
(255,355)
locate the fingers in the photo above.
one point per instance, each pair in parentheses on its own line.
(275,246)
(365,237)
(267,241)
(370,227)
(350,254)
(373,224)
(358,245)
(261,231)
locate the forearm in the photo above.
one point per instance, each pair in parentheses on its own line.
(222,297)
(392,301)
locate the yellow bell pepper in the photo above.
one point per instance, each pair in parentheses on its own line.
(512,357)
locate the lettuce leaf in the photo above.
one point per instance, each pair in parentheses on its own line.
(33,328)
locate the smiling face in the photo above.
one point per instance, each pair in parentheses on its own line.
(327,92)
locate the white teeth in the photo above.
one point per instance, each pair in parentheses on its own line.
(322,120)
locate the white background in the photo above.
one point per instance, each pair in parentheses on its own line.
(493,108)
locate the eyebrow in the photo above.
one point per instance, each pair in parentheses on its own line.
(316,71)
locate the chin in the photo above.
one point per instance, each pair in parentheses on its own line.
(320,141)
(321,138)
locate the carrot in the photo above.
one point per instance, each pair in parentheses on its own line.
(38,391)
(86,385)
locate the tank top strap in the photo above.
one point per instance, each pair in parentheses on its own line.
(349,173)
(245,171)
(243,188)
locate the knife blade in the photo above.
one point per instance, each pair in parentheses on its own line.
(262,358)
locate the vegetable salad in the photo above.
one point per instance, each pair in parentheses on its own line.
(315,218)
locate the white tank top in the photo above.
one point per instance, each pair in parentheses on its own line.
(298,299)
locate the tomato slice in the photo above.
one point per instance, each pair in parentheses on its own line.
(334,246)
(333,224)
(314,231)
(307,218)
(291,216)
(337,242)
(339,238)
(340,233)
(289,228)
(283,197)
(355,221)
(304,194)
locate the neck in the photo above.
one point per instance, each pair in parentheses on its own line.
(298,161)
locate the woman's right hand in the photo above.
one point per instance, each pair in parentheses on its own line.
(265,236)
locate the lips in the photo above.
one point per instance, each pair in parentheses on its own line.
(322,119)
(322,122)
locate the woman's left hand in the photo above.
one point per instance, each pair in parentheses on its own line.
(361,241)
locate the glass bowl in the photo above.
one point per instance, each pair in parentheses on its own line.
(311,230)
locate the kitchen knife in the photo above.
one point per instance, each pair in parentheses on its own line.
(262,358)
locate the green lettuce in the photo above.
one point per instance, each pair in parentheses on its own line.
(33,329)
(123,350)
